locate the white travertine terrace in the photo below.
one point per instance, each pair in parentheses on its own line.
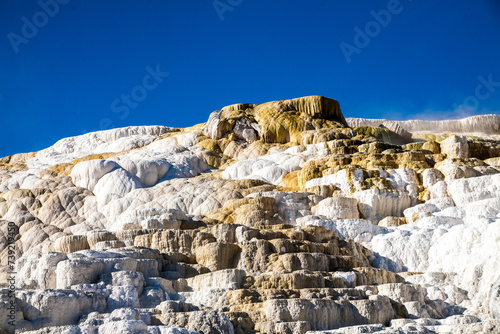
(272,218)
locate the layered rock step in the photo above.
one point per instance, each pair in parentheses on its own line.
(304,280)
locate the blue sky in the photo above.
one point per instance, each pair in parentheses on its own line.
(79,66)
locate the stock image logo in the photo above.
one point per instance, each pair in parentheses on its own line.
(131,99)
(363,37)
(223,6)
(30,27)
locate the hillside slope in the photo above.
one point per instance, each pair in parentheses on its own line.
(282,217)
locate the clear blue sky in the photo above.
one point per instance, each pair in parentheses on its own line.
(73,73)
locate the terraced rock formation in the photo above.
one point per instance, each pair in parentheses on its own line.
(282,217)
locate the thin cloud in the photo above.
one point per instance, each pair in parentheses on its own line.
(462,111)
